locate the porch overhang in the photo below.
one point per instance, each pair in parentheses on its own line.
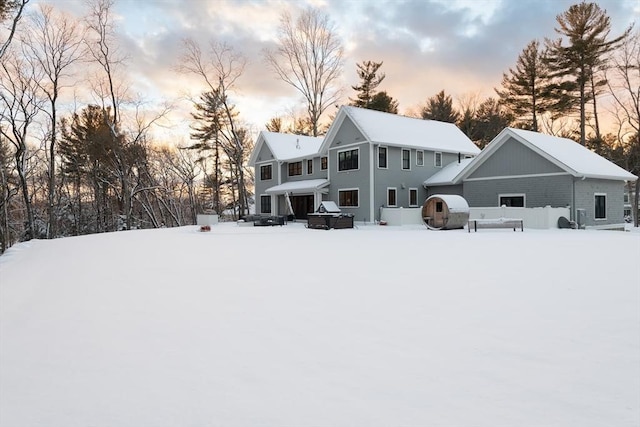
(300,187)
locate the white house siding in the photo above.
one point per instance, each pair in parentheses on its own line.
(554,191)
(585,199)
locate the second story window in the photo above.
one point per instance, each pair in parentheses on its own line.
(382,157)
(348,160)
(406,159)
(295,168)
(324,163)
(309,167)
(437,160)
(265,172)
(419,158)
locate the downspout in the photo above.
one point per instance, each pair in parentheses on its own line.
(371,184)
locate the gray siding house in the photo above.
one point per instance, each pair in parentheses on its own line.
(288,170)
(380,159)
(529,169)
(367,160)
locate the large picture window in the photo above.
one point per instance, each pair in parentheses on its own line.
(348,198)
(406,159)
(382,157)
(295,168)
(511,200)
(265,204)
(265,172)
(348,160)
(601,206)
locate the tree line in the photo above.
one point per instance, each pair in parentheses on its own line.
(99,169)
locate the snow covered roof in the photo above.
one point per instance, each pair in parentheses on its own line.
(286,146)
(294,187)
(393,129)
(454,202)
(328,206)
(449,175)
(570,156)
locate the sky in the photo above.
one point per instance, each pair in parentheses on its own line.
(287,326)
(460,46)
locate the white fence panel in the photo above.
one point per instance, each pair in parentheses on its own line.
(401,216)
(207,219)
(540,218)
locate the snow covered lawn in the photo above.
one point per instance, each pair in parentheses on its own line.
(284,326)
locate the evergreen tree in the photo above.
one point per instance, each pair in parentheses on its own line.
(381,101)
(586,28)
(207,130)
(524,88)
(440,107)
(370,80)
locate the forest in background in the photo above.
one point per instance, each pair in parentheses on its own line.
(100,169)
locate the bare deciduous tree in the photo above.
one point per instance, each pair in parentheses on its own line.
(219,69)
(19,106)
(624,85)
(13,9)
(309,57)
(53,44)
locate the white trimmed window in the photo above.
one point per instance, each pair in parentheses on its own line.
(348,160)
(512,200)
(266,172)
(324,163)
(406,159)
(348,198)
(309,167)
(382,157)
(600,206)
(392,197)
(437,159)
(413,197)
(265,204)
(295,168)
(419,158)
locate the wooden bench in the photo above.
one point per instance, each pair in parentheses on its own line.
(496,223)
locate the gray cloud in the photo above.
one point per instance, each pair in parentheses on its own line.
(460,46)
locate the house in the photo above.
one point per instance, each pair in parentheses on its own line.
(290,174)
(378,159)
(528,169)
(367,160)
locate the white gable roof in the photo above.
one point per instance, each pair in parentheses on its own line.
(402,131)
(450,174)
(570,156)
(286,146)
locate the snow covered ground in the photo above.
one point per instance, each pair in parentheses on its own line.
(284,326)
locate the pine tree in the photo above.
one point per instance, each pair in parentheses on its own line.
(440,107)
(381,101)
(586,28)
(370,80)
(524,88)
